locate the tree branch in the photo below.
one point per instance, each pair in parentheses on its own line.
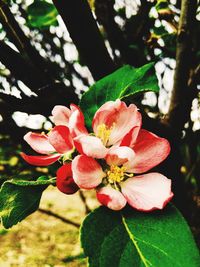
(17,36)
(86,36)
(20,68)
(55,215)
(48,96)
(105,13)
(87,209)
(183,94)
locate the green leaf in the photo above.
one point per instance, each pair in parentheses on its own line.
(160,238)
(126,81)
(19,198)
(42,14)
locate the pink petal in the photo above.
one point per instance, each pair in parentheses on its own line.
(61,115)
(130,138)
(149,150)
(87,172)
(40,160)
(60,139)
(119,118)
(111,198)
(147,192)
(90,146)
(76,122)
(127,118)
(65,182)
(39,142)
(106,114)
(120,156)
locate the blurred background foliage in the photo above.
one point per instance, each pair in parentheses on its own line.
(51,52)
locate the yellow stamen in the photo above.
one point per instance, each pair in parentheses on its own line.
(116,174)
(103,133)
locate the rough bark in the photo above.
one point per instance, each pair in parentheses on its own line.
(182,93)
(181,99)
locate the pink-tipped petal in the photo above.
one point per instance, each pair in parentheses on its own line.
(61,115)
(39,142)
(40,160)
(90,146)
(118,118)
(149,150)
(127,118)
(147,192)
(111,198)
(65,182)
(120,156)
(76,122)
(87,172)
(60,139)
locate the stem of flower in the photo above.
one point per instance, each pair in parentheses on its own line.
(83,198)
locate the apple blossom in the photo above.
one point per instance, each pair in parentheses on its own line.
(72,118)
(54,145)
(112,121)
(113,159)
(116,184)
(58,142)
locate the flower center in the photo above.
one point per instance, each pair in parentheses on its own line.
(103,132)
(116,174)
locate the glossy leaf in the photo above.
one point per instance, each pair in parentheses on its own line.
(126,81)
(160,238)
(19,198)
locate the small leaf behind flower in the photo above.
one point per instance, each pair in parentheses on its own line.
(19,198)
(160,238)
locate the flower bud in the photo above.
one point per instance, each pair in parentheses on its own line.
(65,182)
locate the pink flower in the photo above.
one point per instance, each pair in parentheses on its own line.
(72,118)
(59,142)
(54,145)
(115,180)
(109,158)
(111,123)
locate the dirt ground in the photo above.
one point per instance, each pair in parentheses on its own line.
(44,241)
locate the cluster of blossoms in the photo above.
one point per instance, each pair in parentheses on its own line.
(107,159)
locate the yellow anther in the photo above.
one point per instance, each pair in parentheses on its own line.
(103,133)
(116,174)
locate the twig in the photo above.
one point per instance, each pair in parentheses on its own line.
(192,170)
(87,209)
(17,36)
(50,213)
